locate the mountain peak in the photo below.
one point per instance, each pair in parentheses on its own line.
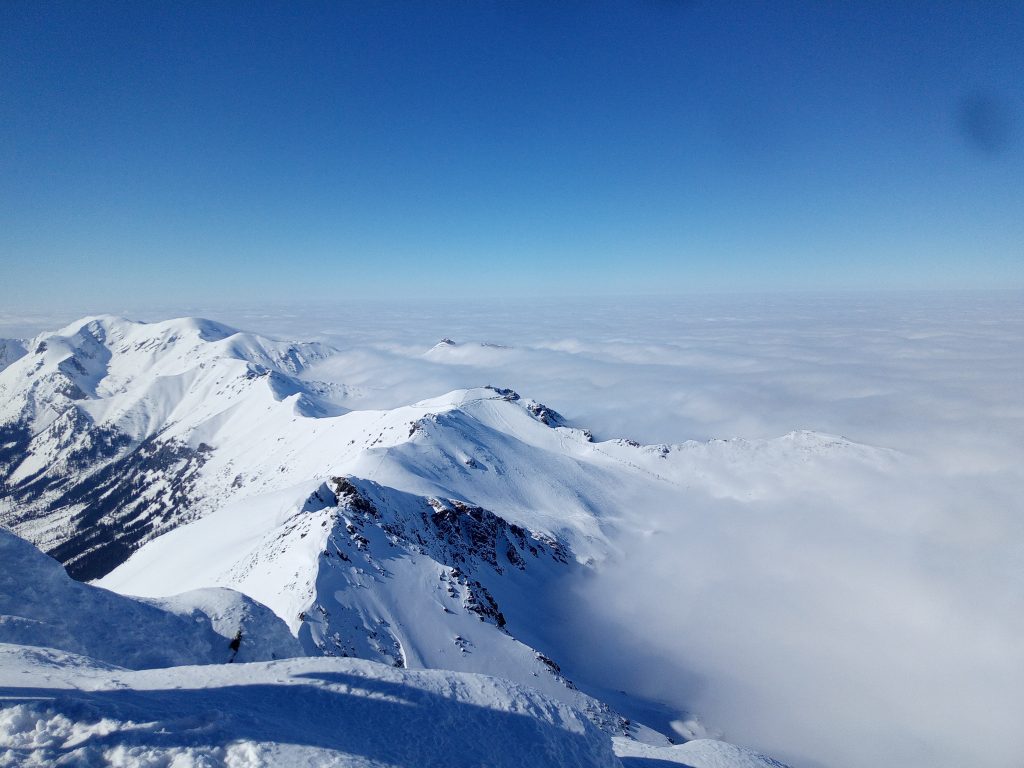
(101,327)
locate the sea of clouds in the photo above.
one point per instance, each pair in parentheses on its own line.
(871,616)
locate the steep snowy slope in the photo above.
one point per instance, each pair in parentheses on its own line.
(10,350)
(40,605)
(62,709)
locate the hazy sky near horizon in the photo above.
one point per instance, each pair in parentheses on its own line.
(197,151)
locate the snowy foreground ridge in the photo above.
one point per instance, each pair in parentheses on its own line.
(322,584)
(139,698)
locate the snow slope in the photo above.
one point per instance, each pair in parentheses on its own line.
(40,605)
(10,350)
(699,753)
(62,709)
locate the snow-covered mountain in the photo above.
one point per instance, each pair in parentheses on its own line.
(101,422)
(367,571)
(445,533)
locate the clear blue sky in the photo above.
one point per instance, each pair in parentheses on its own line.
(185,151)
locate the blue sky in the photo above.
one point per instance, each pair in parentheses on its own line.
(196,151)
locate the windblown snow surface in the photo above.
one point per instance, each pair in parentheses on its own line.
(649,516)
(63,709)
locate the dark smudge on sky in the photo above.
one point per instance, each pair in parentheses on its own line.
(987,123)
